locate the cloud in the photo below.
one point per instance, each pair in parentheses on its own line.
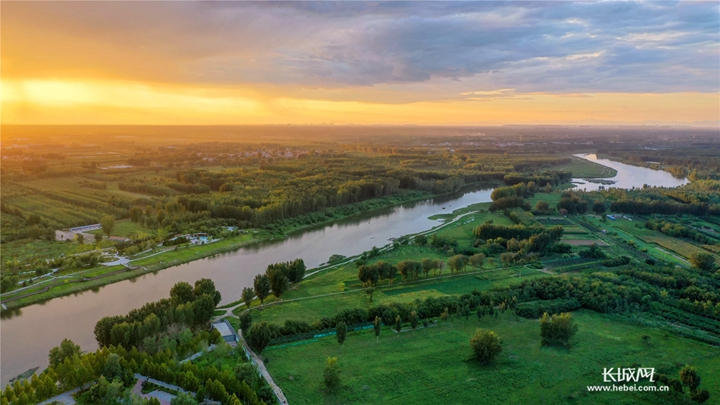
(550,47)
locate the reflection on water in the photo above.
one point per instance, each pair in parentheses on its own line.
(628,176)
(29,334)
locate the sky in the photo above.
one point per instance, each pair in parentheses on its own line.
(424,63)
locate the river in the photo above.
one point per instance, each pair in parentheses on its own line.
(27,337)
(628,176)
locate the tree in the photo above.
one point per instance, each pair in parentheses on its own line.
(331,375)
(486,345)
(245,321)
(107,223)
(414,318)
(247,296)
(183,399)
(542,206)
(341,331)
(279,283)
(207,286)
(477,260)
(599,207)
(465,311)
(135,213)
(181,293)
(398,324)
(689,377)
(445,314)
(66,350)
(557,329)
(80,238)
(259,336)
(369,292)
(377,323)
(427,266)
(457,262)
(113,369)
(203,309)
(702,261)
(262,287)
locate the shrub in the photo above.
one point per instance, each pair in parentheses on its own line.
(486,345)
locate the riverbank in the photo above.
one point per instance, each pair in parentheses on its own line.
(95,278)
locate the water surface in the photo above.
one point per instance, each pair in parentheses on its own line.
(628,176)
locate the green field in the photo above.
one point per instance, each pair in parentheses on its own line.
(434,365)
(586,169)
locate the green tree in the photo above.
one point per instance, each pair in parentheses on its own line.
(207,286)
(245,321)
(262,287)
(107,223)
(183,399)
(135,213)
(457,262)
(331,374)
(259,336)
(279,283)
(398,324)
(689,377)
(341,331)
(465,311)
(377,324)
(80,238)
(702,261)
(477,260)
(599,207)
(66,350)
(181,293)
(203,309)
(486,345)
(414,319)
(247,296)
(445,314)
(542,206)
(557,329)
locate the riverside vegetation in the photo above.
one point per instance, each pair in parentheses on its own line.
(559,288)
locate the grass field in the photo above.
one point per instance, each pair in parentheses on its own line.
(127,228)
(434,365)
(586,169)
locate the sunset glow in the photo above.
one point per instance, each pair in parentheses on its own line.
(415,63)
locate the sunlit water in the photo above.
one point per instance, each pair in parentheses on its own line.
(628,176)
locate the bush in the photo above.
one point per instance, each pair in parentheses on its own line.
(331,375)
(557,329)
(486,345)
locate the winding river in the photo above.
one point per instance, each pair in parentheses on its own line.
(27,337)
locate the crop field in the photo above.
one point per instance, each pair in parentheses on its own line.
(674,244)
(434,365)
